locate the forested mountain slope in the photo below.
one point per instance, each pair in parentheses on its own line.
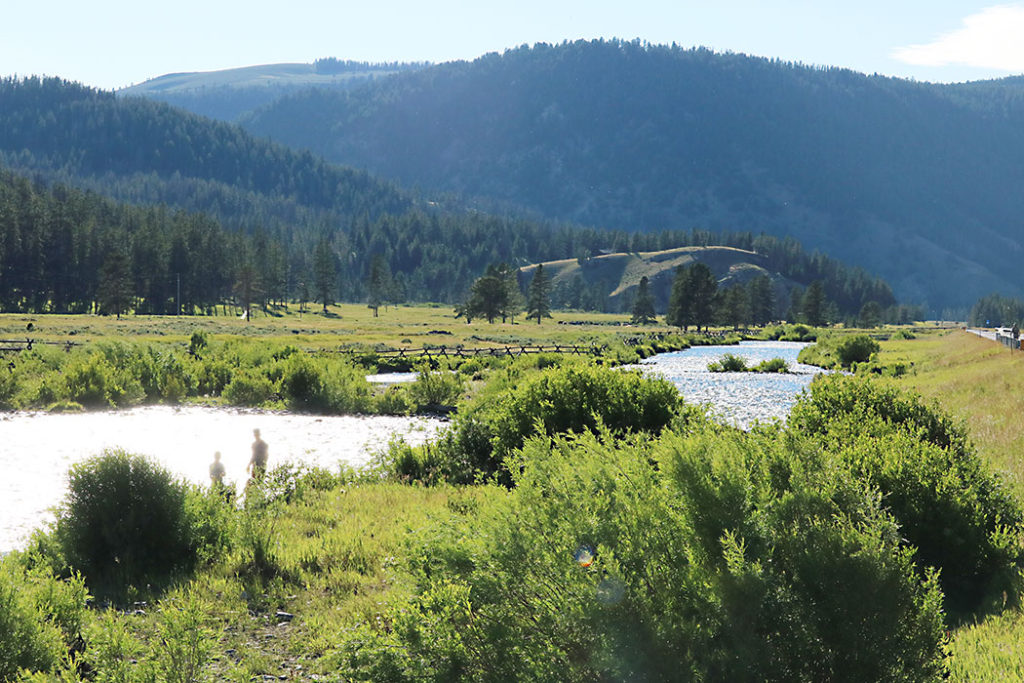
(143,151)
(916,181)
(270,210)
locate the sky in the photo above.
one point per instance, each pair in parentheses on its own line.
(115,43)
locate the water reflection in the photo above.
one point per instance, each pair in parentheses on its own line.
(737,398)
(36,449)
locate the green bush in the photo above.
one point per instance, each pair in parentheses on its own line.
(962,519)
(316,385)
(774,365)
(435,388)
(8,389)
(729,363)
(394,401)
(711,558)
(124,523)
(856,349)
(247,389)
(39,617)
(95,383)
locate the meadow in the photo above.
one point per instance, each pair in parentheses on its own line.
(547,534)
(975,380)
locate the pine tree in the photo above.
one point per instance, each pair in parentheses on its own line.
(325,273)
(643,307)
(538,299)
(380,287)
(115,287)
(680,301)
(704,287)
(813,304)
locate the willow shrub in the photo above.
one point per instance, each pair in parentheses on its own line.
(39,618)
(127,522)
(711,557)
(324,385)
(571,397)
(961,517)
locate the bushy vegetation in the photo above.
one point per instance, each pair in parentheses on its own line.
(127,523)
(840,351)
(243,373)
(40,618)
(625,537)
(700,558)
(733,363)
(961,518)
(570,397)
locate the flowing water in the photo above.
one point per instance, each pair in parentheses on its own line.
(737,398)
(37,449)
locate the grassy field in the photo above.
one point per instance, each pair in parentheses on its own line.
(343,326)
(976,380)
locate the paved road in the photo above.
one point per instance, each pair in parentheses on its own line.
(987,334)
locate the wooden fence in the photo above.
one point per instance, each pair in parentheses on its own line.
(16,345)
(513,351)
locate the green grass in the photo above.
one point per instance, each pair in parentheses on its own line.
(977,381)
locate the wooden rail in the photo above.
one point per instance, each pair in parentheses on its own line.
(512,351)
(16,345)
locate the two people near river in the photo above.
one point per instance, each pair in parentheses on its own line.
(256,468)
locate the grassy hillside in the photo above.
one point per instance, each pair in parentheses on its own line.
(619,274)
(226,94)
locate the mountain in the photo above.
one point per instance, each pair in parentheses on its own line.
(229,93)
(918,182)
(286,205)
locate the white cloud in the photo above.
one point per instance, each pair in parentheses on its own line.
(993,39)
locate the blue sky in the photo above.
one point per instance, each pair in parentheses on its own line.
(114,43)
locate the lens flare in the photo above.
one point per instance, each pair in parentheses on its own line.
(584,555)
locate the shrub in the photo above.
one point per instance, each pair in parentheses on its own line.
(729,363)
(394,401)
(314,385)
(247,389)
(684,560)
(961,518)
(433,389)
(124,523)
(772,365)
(8,388)
(29,636)
(856,349)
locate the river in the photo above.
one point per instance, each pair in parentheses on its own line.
(37,449)
(737,398)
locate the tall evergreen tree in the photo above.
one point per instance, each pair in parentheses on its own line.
(704,287)
(761,300)
(538,298)
(487,298)
(643,307)
(325,272)
(380,287)
(115,287)
(680,300)
(813,305)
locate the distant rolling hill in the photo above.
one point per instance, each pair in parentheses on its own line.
(618,275)
(229,93)
(915,181)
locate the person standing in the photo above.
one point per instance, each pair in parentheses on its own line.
(216,471)
(258,463)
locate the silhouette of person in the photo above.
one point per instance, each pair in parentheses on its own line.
(216,471)
(258,463)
